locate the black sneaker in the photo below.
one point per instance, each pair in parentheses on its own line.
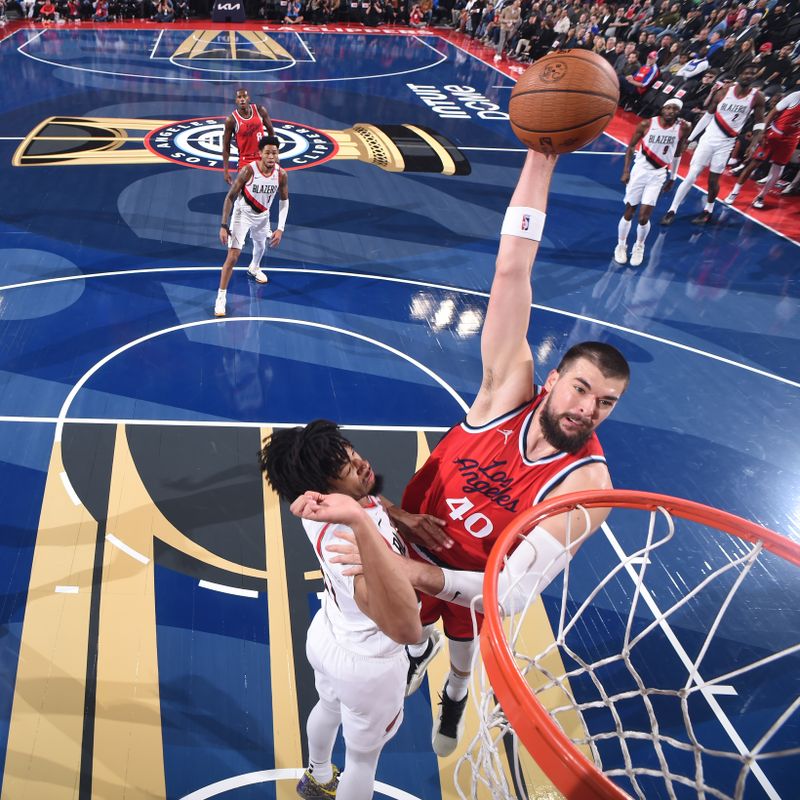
(703,218)
(418,665)
(668,218)
(449,724)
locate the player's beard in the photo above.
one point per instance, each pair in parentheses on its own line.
(554,434)
(377,486)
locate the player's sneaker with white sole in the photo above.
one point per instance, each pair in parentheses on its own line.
(257,274)
(637,254)
(219,307)
(621,254)
(449,724)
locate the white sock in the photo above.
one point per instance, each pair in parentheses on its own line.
(641,232)
(735,190)
(457,686)
(461,656)
(623,229)
(321,729)
(421,648)
(709,206)
(221,293)
(774,173)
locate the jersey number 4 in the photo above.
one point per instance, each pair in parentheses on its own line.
(477,524)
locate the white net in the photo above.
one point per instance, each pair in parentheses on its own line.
(670,660)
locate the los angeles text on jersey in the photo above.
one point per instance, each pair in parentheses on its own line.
(198,143)
(490,480)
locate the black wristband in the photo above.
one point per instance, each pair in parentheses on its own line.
(225,225)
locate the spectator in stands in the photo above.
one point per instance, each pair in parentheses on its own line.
(164,11)
(71,10)
(47,11)
(697,95)
(696,66)
(180,9)
(744,55)
(510,18)
(634,86)
(28,7)
(294,13)
(751,31)
(775,26)
(680,60)
(615,55)
(721,57)
(610,51)
(100,11)
(776,69)
(623,65)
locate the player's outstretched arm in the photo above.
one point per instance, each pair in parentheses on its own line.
(283,208)
(638,135)
(226,148)
(507,360)
(267,121)
(241,179)
(382,592)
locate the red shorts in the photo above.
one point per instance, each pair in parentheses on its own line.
(775,148)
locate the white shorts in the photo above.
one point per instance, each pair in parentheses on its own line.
(713,152)
(644,185)
(244,219)
(369,690)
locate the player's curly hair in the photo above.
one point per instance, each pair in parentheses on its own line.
(604,356)
(297,460)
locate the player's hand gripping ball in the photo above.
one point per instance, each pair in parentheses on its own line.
(563,101)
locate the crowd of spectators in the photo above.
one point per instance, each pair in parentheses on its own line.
(95,10)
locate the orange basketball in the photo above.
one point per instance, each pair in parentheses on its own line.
(563,101)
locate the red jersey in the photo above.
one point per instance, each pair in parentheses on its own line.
(248,130)
(787,123)
(478,479)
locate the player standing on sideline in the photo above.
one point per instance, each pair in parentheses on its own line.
(777,147)
(250,197)
(355,641)
(516,446)
(730,106)
(663,139)
(249,123)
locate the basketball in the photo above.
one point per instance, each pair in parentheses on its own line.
(563,101)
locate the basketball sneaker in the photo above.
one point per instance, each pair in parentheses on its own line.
(449,724)
(758,202)
(637,254)
(703,218)
(621,254)
(730,199)
(310,789)
(668,218)
(219,307)
(257,274)
(417,665)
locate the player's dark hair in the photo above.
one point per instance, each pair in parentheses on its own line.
(297,460)
(265,140)
(604,356)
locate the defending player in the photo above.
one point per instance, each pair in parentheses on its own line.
(516,446)
(248,123)
(663,140)
(355,641)
(730,106)
(250,197)
(777,147)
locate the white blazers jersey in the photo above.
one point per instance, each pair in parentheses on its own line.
(659,144)
(732,111)
(260,190)
(351,627)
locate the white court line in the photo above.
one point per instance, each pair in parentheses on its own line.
(273,775)
(62,416)
(305,46)
(708,691)
(67,589)
(70,490)
(407,281)
(223,423)
(127,549)
(11,138)
(155,46)
(221,587)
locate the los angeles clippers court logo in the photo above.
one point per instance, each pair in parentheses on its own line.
(198,143)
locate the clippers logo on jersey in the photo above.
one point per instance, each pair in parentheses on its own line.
(198,143)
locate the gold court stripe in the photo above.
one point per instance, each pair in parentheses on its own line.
(448,165)
(285,715)
(43,755)
(313,575)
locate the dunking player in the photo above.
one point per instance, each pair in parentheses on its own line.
(663,140)
(248,123)
(250,197)
(777,147)
(516,446)
(730,106)
(355,641)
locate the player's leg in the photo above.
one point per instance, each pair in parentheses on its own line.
(772,178)
(623,229)
(462,646)
(321,776)
(700,160)
(240,225)
(421,654)
(742,179)
(651,191)
(719,158)
(259,236)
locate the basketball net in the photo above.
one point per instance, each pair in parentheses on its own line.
(655,659)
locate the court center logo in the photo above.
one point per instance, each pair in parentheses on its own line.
(198,143)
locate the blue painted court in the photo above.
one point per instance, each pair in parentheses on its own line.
(130,417)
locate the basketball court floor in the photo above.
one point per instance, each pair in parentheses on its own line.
(155,597)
